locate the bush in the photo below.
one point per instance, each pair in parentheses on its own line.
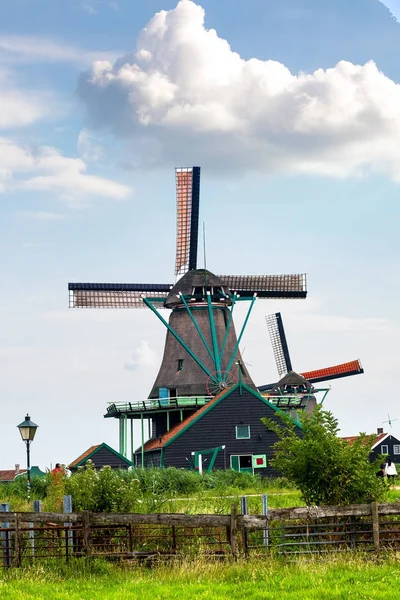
(325,468)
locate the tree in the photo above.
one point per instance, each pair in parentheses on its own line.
(325,468)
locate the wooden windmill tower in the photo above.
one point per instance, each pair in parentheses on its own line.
(295,391)
(201,353)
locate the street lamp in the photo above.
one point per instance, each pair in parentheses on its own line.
(27,430)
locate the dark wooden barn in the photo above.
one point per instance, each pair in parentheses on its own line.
(101,455)
(227,432)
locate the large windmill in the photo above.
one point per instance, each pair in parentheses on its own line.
(297,386)
(201,354)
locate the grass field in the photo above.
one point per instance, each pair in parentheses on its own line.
(355,577)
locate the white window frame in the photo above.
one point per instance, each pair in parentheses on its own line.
(383,451)
(396,449)
(247,437)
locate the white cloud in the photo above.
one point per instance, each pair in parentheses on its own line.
(393,6)
(20,107)
(92,7)
(31,49)
(46,169)
(89,147)
(185,95)
(143,356)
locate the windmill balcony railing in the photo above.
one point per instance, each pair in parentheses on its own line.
(157,404)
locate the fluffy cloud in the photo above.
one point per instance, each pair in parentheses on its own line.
(143,356)
(46,169)
(185,95)
(20,107)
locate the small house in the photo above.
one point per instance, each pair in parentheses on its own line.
(227,432)
(385,444)
(101,455)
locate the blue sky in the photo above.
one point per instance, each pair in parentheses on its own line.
(292,110)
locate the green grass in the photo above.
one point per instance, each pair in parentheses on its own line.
(353,577)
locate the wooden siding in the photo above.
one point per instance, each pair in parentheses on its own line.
(217,428)
(388,441)
(103,457)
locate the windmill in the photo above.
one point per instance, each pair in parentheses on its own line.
(201,353)
(294,385)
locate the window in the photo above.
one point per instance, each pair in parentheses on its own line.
(384,449)
(242,432)
(180,364)
(396,449)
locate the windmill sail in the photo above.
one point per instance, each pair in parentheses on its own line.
(279,343)
(353,367)
(115,295)
(187,205)
(267,286)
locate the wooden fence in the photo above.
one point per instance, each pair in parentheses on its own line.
(26,537)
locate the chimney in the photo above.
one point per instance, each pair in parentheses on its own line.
(379,430)
(17,469)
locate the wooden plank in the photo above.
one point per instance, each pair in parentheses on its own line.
(177,520)
(375,525)
(233,531)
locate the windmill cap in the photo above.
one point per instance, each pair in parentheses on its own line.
(199,278)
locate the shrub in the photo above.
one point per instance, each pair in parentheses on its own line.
(325,468)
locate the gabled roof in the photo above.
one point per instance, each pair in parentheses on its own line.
(167,438)
(9,474)
(91,451)
(378,440)
(382,437)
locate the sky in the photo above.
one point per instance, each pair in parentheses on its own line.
(293,112)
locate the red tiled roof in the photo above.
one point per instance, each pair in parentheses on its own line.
(9,475)
(156,443)
(353,438)
(83,456)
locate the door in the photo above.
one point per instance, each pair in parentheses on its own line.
(242,463)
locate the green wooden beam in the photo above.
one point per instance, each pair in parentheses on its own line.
(203,339)
(180,340)
(214,339)
(241,333)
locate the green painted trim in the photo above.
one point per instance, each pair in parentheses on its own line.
(162,463)
(228,325)
(203,339)
(212,404)
(214,340)
(101,446)
(247,437)
(179,339)
(228,368)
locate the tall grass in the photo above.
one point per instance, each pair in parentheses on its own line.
(356,577)
(155,490)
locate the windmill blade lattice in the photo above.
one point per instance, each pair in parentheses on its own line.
(279,343)
(187,224)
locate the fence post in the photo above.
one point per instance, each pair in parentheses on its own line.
(5,537)
(245,510)
(86,532)
(67,508)
(264,499)
(375,525)
(37,508)
(233,531)
(17,542)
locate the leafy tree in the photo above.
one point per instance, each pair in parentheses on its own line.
(325,468)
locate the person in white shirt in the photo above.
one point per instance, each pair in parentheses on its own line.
(391,471)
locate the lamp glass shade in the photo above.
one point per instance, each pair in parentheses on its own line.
(27,429)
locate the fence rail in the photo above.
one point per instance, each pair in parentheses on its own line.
(37,536)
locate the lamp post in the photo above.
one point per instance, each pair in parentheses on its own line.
(27,430)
